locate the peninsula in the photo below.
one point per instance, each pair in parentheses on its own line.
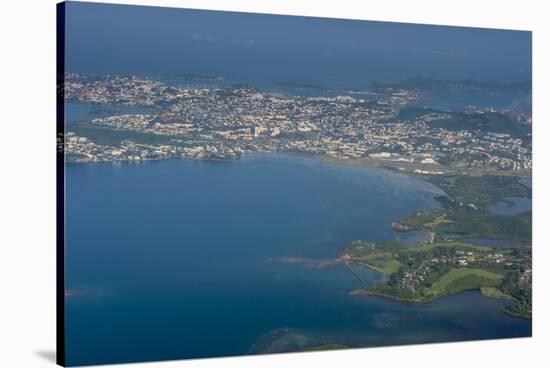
(451,262)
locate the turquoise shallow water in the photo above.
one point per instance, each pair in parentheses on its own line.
(181,259)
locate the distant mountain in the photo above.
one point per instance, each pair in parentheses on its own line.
(436,85)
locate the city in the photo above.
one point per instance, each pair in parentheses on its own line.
(221,123)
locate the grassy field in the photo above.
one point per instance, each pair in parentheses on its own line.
(387,266)
(460,279)
(494,292)
(457,245)
(422,219)
(439,220)
(379,256)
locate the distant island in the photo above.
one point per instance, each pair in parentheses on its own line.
(436,85)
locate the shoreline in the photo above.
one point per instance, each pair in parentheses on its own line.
(348,262)
(406,168)
(329,161)
(396,299)
(507,312)
(403,301)
(361,162)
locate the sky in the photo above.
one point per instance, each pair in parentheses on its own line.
(265,49)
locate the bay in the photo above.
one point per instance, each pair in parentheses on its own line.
(185,259)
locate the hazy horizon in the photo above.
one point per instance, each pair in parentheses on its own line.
(266,49)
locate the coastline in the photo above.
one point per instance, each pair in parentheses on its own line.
(366,292)
(325,160)
(347,262)
(396,299)
(396,168)
(408,169)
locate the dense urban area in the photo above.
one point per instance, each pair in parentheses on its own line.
(220,123)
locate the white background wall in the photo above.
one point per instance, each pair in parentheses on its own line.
(27,181)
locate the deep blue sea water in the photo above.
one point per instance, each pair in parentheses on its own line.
(184,259)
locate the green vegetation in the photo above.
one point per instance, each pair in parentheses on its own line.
(465,214)
(431,271)
(522,308)
(424,220)
(483,224)
(451,245)
(480,190)
(386,265)
(436,221)
(453,120)
(487,122)
(470,282)
(519,285)
(427,272)
(493,292)
(460,279)
(379,256)
(437,270)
